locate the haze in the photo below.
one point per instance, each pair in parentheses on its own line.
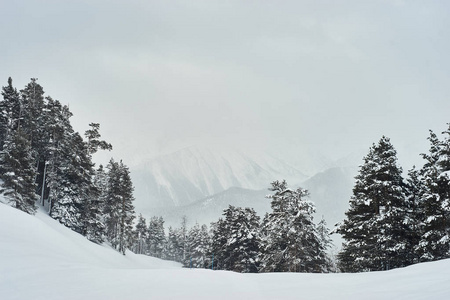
(332,76)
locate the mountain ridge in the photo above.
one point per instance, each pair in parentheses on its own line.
(193,173)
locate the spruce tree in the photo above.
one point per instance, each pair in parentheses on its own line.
(244,241)
(141,236)
(220,235)
(415,215)
(291,242)
(119,209)
(33,107)
(9,111)
(72,188)
(198,247)
(93,139)
(173,249)
(93,219)
(156,237)
(375,230)
(33,121)
(17,172)
(323,233)
(435,240)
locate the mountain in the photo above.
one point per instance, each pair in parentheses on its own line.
(210,209)
(330,190)
(193,173)
(200,182)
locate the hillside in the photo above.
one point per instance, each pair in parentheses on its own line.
(40,259)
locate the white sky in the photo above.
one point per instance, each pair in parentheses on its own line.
(161,75)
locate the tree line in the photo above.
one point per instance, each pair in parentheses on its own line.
(285,240)
(392,221)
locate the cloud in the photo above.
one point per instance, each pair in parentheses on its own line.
(160,75)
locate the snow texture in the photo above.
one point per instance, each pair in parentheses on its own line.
(41,259)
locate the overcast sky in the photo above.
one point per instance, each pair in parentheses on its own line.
(161,75)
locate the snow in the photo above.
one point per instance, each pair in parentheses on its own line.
(40,259)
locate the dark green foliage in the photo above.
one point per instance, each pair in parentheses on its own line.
(119,210)
(291,242)
(17,172)
(376,232)
(173,249)
(414,189)
(198,241)
(70,176)
(156,237)
(93,143)
(236,240)
(9,111)
(435,203)
(141,234)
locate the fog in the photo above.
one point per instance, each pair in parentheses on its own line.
(331,76)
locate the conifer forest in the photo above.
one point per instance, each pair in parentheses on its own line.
(394,219)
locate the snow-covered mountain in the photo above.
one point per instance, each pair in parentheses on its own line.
(193,173)
(210,209)
(330,190)
(200,182)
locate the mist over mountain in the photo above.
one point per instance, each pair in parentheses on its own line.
(200,182)
(330,190)
(193,173)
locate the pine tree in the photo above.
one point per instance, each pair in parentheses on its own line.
(119,210)
(92,216)
(415,215)
(59,148)
(183,231)
(435,240)
(173,249)
(375,231)
(17,172)
(198,247)
(126,215)
(71,188)
(9,111)
(93,143)
(220,235)
(244,242)
(33,107)
(141,236)
(33,121)
(323,233)
(291,240)
(156,237)
(68,174)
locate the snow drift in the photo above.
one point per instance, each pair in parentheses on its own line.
(40,259)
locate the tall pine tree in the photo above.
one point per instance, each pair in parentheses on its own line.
(119,209)
(375,230)
(435,241)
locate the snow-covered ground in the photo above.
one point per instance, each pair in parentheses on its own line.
(40,259)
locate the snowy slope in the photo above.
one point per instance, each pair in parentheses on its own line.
(40,259)
(194,173)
